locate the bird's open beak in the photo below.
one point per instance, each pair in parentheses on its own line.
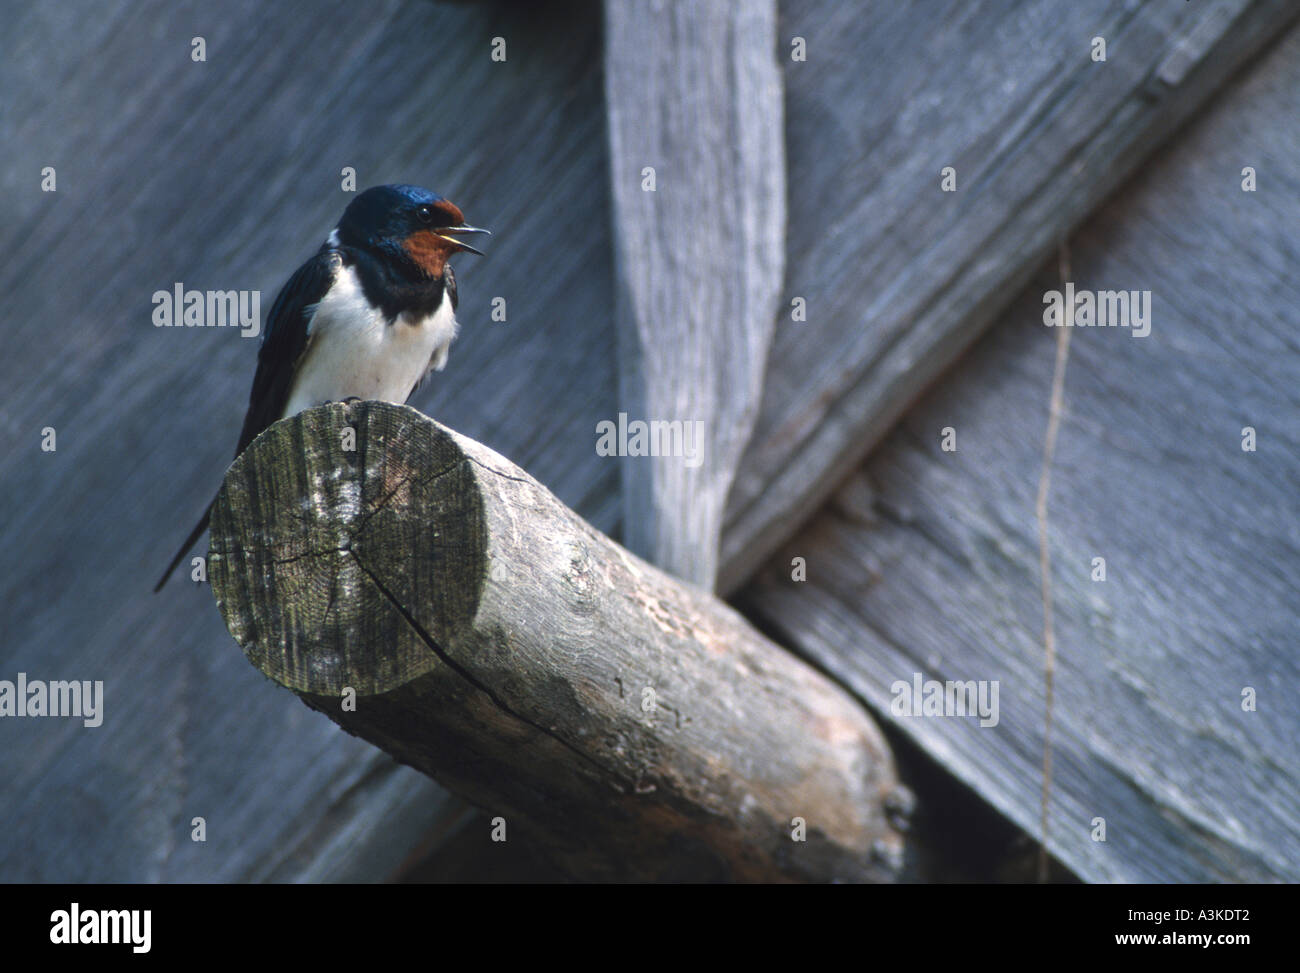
(450,234)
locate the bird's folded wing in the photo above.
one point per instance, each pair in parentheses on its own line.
(285,339)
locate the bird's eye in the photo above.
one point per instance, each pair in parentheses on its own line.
(425,213)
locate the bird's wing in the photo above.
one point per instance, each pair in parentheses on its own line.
(449,282)
(285,339)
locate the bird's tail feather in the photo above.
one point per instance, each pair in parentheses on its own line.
(198,530)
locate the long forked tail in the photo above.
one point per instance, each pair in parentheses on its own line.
(198,530)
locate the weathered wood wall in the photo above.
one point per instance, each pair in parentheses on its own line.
(927,561)
(899,277)
(225,174)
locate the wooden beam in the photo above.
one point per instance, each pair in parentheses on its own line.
(697,162)
(899,276)
(432,598)
(1174,718)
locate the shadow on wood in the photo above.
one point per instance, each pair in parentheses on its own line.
(432,598)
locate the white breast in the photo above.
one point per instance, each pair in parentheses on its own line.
(354,350)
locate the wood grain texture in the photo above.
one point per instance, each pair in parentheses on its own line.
(693,92)
(632,726)
(927,561)
(900,277)
(226,174)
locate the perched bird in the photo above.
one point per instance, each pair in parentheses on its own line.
(369,316)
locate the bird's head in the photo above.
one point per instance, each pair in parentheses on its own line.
(409,225)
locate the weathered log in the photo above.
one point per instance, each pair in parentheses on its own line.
(431,597)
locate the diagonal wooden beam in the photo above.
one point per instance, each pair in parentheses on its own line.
(899,276)
(1175,556)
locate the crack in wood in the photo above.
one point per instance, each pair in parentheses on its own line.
(605,773)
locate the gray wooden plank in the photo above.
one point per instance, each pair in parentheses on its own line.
(226,174)
(899,277)
(927,561)
(694,99)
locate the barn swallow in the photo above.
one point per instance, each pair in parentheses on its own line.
(369,316)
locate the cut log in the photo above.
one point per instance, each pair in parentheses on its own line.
(434,599)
